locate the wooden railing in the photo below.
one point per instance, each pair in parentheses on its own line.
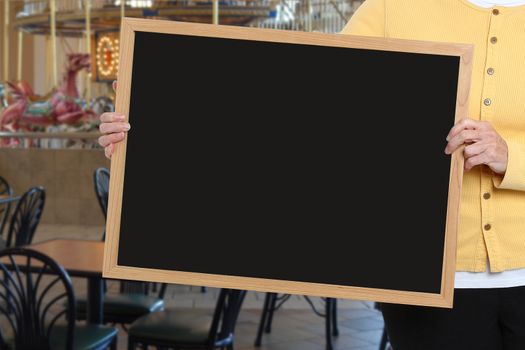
(54,140)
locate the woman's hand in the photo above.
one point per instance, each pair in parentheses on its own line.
(114,128)
(483,145)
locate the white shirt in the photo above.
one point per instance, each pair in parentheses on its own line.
(487,279)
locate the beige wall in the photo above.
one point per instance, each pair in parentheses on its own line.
(67,176)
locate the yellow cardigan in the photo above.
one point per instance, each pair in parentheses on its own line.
(492,220)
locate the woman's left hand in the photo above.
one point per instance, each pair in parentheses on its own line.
(483,145)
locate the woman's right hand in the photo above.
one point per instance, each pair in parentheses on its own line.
(113,127)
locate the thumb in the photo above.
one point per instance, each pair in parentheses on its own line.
(114,85)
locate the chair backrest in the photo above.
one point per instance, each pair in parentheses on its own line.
(26,217)
(5,190)
(35,293)
(101,182)
(225,315)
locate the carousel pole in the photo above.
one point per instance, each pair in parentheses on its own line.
(19,58)
(52,19)
(215,11)
(87,6)
(309,15)
(6,40)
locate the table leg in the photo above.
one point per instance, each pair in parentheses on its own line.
(95,300)
(329,319)
(334,321)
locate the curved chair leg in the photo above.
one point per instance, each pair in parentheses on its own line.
(113,345)
(273,303)
(264,316)
(384,340)
(131,344)
(334,320)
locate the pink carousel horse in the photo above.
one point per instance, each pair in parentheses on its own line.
(61,106)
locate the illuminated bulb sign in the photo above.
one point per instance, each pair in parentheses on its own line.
(107,54)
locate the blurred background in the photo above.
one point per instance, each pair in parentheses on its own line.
(57,61)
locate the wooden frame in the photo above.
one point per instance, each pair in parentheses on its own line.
(112,270)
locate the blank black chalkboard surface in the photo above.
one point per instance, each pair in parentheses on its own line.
(289,162)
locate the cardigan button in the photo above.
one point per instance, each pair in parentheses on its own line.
(495,12)
(493,40)
(487,102)
(486,195)
(487,227)
(490,71)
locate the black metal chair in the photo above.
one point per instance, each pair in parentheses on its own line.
(101,182)
(190,329)
(32,304)
(274,301)
(5,209)
(26,217)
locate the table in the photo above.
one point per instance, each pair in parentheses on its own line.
(80,258)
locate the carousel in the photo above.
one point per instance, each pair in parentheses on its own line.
(66,116)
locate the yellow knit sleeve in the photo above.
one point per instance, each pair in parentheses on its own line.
(368,20)
(514,178)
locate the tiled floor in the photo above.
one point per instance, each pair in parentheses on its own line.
(295,326)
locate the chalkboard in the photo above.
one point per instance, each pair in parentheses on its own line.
(287,162)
